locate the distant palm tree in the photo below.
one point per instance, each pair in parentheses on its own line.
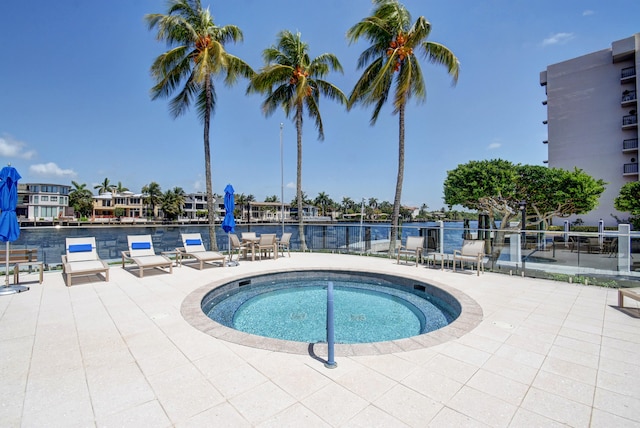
(196,56)
(104,187)
(152,196)
(322,201)
(81,199)
(173,203)
(393,41)
(119,189)
(292,80)
(347,204)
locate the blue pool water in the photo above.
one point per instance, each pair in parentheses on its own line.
(366,309)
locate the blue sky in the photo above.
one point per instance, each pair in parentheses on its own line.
(75,104)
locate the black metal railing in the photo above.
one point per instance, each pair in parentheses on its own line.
(630,144)
(630,168)
(630,119)
(628,96)
(628,72)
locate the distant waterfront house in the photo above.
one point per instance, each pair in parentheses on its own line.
(128,204)
(42,201)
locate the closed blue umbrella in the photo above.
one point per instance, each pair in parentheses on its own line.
(229,222)
(9,226)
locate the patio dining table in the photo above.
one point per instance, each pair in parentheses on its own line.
(251,242)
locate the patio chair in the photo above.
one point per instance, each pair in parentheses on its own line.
(284,242)
(472,251)
(267,244)
(142,254)
(81,259)
(237,245)
(194,248)
(413,247)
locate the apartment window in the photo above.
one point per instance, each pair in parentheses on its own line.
(44,198)
(53,199)
(35,199)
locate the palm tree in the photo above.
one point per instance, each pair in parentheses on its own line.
(292,80)
(104,187)
(119,189)
(391,61)
(173,202)
(81,199)
(152,196)
(197,54)
(322,201)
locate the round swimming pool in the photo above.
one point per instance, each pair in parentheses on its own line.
(367,307)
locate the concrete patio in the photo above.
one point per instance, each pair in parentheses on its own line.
(121,354)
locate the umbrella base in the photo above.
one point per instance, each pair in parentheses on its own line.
(232,263)
(12,289)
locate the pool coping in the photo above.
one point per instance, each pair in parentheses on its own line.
(471,315)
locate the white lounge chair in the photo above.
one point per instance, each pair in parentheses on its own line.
(142,254)
(413,247)
(194,248)
(82,259)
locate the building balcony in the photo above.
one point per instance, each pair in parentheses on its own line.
(627,75)
(630,121)
(630,168)
(630,145)
(628,98)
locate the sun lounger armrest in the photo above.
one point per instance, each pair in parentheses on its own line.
(125,256)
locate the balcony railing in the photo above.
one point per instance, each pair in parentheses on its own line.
(628,96)
(628,72)
(630,144)
(630,119)
(630,168)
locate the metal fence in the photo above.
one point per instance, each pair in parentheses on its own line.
(611,254)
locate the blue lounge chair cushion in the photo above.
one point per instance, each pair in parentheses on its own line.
(193,242)
(140,245)
(80,248)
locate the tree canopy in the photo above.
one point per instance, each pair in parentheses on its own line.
(497,187)
(629,201)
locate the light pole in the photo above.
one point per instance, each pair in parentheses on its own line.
(281,179)
(523,209)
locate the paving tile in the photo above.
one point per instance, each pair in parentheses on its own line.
(406,405)
(335,404)
(372,417)
(238,380)
(602,419)
(294,416)
(221,415)
(146,414)
(511,369)
(571,370)
(565,387)
(482,407)
(431,384)
(499,386)
(261,403)
(557,408)
(451,419)
(183,392)
(451,367)
(528,419)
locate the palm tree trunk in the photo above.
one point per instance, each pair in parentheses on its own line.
(396,199)
(303,242)
(213,243)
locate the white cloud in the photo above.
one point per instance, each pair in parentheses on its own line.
(494,145)
(588,12)
(14,149)
(290,185)
(557,39)
(50,169)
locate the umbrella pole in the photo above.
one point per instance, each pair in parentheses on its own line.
(230,262)
(6,272)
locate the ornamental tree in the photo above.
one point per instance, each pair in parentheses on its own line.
(629,201)
(496,187)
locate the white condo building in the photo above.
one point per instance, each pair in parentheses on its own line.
(592,120)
